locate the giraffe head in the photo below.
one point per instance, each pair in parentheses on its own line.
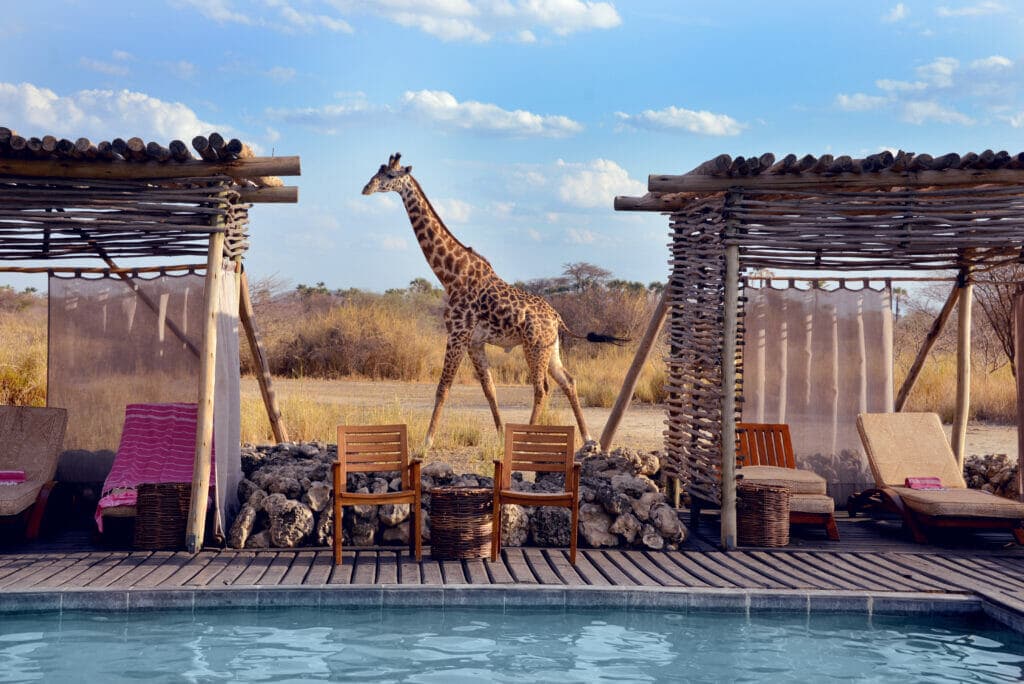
(389,177)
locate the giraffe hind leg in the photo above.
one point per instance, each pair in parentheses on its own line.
(568,386)
(478,355)
(537,360)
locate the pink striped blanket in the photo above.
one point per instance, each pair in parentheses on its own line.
(158,444)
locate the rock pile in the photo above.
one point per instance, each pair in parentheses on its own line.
(995,473)
(287,492)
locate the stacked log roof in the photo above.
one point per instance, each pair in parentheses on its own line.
(133,158)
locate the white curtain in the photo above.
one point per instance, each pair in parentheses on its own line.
(815,359)
(227,427)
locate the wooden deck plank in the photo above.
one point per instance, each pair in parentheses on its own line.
(431,572)
(722,564)
(255,569)
(81,564)
(606,567)
(34,574)
(819,563)
(875,569)
(645,565)
(296,573)
(387,568)
(969,567)
(193,566)
(587,571)
(26,568)
(217,564)
(882,560)
(475,571)
(365,570)
(498,572)
(569,574)
(143,569)
(342,574)
(277,570)
(409,569)
(787,577)
(160,574)
(517,566)
(684,560)
(113,576)
(451,571)
(926,565)
(320,570)
(624,563)
(1011,567)
(540,566)
(816,577)
(1010,574)
(97,570)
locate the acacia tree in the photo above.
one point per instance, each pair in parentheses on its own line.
(585,276)
(995,297)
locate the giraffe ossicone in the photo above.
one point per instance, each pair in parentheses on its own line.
(482,308)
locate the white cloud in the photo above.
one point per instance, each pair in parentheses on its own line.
(122,56)
(897,13)
(580,236)
(595,184)
(939,73)
(330,118)
(453,210)
(442,108)
(526,36)
(98,114)
(900,86)
(219,10)
(976,10)
(108,68)
(535,234)
(859,102)
(993,62)
(280,74)
(1016,120)
(920,112)
(392,243)
(277,14)
(679,119)
(568,16)
(182,69)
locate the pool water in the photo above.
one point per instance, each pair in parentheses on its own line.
(522,646)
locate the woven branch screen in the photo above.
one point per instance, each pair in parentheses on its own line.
(71,219)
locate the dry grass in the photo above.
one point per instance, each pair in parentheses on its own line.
(23,358)
(993,394)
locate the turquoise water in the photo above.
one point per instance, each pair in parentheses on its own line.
(522,646)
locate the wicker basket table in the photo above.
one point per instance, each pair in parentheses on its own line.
(162,515)
(460,522)
(762,514)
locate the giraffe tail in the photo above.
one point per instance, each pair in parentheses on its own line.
(599,338)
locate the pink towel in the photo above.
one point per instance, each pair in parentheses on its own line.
(923,483)
(158,444)
(12,475)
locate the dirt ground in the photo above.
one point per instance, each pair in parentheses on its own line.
(641,427)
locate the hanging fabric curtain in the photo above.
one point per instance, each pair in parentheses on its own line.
(814,359)
(227,429)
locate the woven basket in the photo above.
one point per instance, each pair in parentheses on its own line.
(460,522)
(162,515)
(762,514)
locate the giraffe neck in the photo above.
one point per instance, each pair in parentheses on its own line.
(451,261)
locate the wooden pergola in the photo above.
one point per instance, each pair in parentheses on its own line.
(886,212)
(124,199)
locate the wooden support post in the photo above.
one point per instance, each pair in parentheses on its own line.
(1018,353)
(259,357)
(207,376)
(929,341)
(729,349)
(963,368)
(633,374)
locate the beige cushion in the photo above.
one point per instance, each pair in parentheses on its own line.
(972,503)
(902,445)
(811,503)
(798,481)
(17,497)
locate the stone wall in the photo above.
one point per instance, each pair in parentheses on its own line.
(996,473)
(287,493)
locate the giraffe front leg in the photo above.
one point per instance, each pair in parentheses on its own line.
(453,354)
(478,355)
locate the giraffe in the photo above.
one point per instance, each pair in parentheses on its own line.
(482,308)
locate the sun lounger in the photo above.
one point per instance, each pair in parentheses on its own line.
(157,445)
(30,442)
(913,445)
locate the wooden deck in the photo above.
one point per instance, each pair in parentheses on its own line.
(871,560)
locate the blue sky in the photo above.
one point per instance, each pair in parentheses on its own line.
(522,118)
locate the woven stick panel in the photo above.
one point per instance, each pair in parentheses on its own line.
(696,297)
(895,229)
(68,219)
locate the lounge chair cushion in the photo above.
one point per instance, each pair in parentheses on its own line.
(902,445)
(30,440)
(972,503)
(798,481)
(811,503)
(17,497)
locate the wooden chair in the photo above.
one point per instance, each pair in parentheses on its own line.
(765,452)
(376,448)
(542,449)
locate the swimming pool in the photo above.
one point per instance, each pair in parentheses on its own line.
(300,644)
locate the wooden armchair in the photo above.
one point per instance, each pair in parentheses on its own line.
(537,448)
(376,448)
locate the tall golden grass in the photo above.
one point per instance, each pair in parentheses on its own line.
(23,358)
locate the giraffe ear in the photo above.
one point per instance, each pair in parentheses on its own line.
(408,169)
